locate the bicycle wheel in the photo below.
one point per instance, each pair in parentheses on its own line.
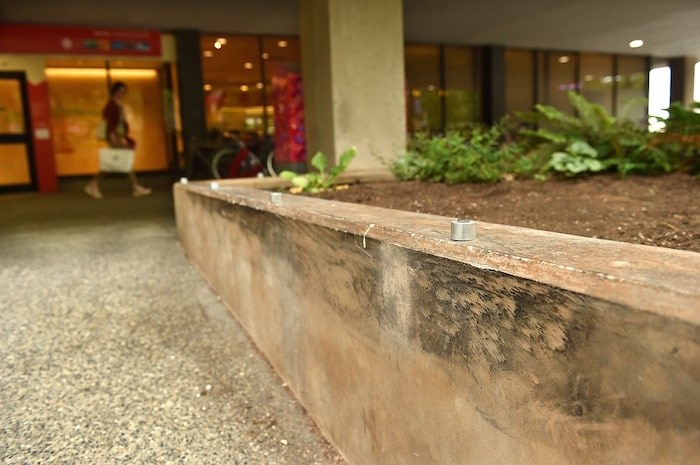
(271,165)
(235,162)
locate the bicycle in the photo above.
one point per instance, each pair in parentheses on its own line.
(229,158)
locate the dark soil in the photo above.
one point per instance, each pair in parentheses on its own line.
(662,211)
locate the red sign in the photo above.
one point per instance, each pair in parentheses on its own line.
(15,38)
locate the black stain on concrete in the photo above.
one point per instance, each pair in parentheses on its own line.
(585,357)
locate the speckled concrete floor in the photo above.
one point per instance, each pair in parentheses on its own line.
(114,350)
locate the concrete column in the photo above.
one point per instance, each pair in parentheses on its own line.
(190,85)
(353,72)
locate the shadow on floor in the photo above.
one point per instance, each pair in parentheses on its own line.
(71,206)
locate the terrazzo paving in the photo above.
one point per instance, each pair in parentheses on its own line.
(114,350)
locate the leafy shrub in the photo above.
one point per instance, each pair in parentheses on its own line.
(546,142)
(481,156)
(681,137)
(592,141)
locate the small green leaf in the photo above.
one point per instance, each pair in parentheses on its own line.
(319,161)
(346,157)
(343,163)
(300,181)
(288,175)
(581,147)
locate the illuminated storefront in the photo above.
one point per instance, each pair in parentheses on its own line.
(53,85)
(54,81)
(252,87)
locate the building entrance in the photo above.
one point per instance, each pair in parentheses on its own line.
(16,159)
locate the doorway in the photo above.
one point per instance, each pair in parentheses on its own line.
(79,89)
(17,171)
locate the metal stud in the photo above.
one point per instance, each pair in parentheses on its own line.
(463,230)
(276,197)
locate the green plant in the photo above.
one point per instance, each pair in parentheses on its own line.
(591,141)
(680,138)
(579,157)
(482,155)
(323,179)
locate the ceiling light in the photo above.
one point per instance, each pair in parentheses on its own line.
(588,77)
(431,88)
(222,40)
(217,45)
(244,88)
(207,87)
(265,56)
(208,53)
(100,72)
(636,43)
(282,43)
(259,85)
(563,59)
(248,65)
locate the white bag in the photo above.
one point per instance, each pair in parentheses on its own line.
(116,160)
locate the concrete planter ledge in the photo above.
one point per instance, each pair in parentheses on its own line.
(519,347)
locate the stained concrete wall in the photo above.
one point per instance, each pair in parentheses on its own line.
(522,347)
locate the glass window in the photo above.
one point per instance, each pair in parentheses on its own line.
(659,96)
(520,85)
(631,81)
(14,158)
(11,111)
(423,88)
(696,83)
(283,114)
(462,87)
(597,80)
(561,78)
(15,165)
(541,77)
(233,83)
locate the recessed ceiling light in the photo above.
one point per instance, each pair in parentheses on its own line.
(208,53)
(222,40)
(244,88)
(259,85)
(207,87)
(265,56)
(248,65)
(563,59)
(636,43)
(282,43)
(217,45)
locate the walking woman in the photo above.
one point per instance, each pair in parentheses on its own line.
(117,134)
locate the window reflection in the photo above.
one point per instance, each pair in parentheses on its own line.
(11,111)
(231,72)
(284,97)
(423,88)
(632,89)
(253,92)
(519,80)
(597,79)
(462,83)
(561,78)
